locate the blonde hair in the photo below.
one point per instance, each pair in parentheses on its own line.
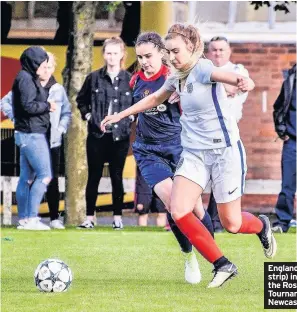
(191,36)
(120,42)
(52,57)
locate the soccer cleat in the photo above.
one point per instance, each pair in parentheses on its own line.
(57,224)
(223,274)
(266,238)
(88,224)
(117,225)
(293,223)
(277,229)
(192,271)
(34,224)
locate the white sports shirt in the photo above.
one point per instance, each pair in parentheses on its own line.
(207,121)
(237,101)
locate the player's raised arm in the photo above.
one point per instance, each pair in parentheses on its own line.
(243,84)
(148,102)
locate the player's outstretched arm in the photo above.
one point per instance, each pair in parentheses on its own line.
(148,102)
(243,84)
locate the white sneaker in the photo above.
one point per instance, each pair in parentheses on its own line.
(57,224)
(293,223)
(117,225)
(192,271)
(34,224)
(21,223)
(87,224)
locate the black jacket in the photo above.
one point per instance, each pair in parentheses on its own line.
(95,97)
(282,104)
(30,106)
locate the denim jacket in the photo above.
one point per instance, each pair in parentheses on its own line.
(59,119)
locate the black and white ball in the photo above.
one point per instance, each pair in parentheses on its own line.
(53,275)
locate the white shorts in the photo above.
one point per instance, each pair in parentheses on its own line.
(225,167)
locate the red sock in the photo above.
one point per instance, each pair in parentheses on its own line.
(250,224)
(199,236)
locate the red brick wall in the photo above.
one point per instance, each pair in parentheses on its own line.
(265,63)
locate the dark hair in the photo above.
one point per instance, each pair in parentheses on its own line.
(155,39)
(219,38)
(150,37)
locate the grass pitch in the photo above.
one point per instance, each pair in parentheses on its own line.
(131,270)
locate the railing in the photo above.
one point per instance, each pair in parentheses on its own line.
(8,185)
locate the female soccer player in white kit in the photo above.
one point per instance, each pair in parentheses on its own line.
(212,149)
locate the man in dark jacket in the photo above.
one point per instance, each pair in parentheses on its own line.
(284,116)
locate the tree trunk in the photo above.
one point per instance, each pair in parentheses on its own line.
(78,65)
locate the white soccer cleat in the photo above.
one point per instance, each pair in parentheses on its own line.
(57,224)
(267,238)
(192,271)
(223,274)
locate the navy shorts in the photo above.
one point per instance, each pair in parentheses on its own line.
(157,162)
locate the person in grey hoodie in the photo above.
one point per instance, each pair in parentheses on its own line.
(59,122)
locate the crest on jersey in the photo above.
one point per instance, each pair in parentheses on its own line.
(146,93)
(190,87)
(161,108)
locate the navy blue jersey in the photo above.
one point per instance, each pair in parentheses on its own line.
(160,123)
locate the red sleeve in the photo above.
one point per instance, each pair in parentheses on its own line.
(133,80)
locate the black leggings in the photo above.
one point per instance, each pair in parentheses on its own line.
(53,194)
(100,151)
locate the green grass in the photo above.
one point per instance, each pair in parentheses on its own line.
(130,270)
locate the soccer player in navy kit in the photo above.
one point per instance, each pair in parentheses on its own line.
(157,147)
(211,148)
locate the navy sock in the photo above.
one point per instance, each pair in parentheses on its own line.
(220,262)
(183,241)
(208,223)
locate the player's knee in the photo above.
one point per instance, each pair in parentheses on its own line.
(232,228)
(176,215)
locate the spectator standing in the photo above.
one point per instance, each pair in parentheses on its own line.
(59,122)
(284,116)
(31,115)
(106,92)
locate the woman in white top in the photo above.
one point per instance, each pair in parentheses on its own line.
(212,149)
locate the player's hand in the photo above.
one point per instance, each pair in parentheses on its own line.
(245,84)
(53,106)
(174,98)
(108,120)
(285,138)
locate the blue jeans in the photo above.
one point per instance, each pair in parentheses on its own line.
(285,204)
(35,172)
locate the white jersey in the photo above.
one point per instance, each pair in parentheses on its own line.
(207,121)
(237,101)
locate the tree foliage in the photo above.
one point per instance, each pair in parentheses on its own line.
(279,5)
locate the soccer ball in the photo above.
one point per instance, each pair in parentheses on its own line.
(52,275)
